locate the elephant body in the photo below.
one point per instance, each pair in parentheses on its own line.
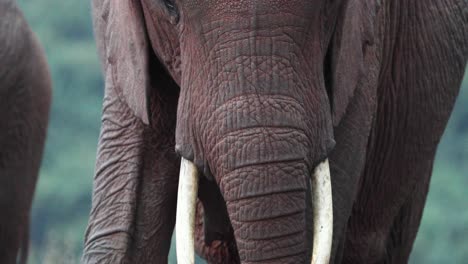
(256,94)
(25,89)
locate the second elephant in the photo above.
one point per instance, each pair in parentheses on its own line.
(25,97)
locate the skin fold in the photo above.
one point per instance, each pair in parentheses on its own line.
(25,94)
(256,94)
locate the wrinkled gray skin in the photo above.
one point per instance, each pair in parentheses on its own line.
(25,94)
(265,90)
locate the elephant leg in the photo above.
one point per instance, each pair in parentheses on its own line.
(382,228)
(25,90)
(24,111)
(156,202)
(156,196)
(15,199)
(135,186)
(388,207)
(22,136)
(347,160)
(134,199)
(422,69)
(406,224)
(12,234)
(14,221)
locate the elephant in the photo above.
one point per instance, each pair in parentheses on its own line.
(25,97)
(270,131)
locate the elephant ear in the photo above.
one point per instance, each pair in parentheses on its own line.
(123,46)
(346,58)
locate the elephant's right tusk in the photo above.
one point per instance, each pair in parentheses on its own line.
(323,213)
(185,221)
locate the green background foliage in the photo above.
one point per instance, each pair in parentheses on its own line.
(63,196)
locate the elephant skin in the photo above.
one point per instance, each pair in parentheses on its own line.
(25,97)
(257,93)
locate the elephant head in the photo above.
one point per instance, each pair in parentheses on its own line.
(260,85)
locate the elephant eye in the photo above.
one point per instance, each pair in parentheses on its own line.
(170,5)
(172,10)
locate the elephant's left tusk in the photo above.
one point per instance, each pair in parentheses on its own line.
(185,221)
(323,213)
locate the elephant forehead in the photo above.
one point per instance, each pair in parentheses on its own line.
(249,6)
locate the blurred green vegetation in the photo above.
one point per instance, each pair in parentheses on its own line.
(63,194)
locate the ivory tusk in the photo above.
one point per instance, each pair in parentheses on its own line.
(323,213)
(186,204)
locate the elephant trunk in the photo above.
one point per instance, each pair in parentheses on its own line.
(266,203)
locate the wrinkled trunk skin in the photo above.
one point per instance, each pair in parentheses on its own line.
(267,208)
(258,124)
(263,174)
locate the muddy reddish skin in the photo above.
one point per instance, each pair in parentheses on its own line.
(256,94)
(25,95)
